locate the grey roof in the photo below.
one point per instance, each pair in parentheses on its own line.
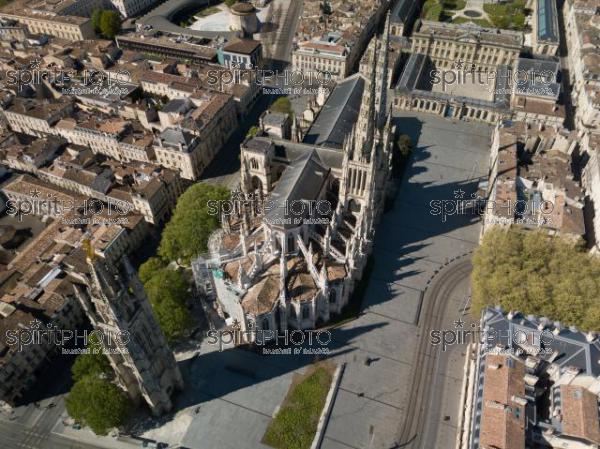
(177,105)
(402,11)
(338,115)
(537,77)
(302,181)
(287,151)
(413,70)
(547,21)
(503,88)
(176,136)
(258,144)
(570,346)
(538,65)
(102,182)
(275,118)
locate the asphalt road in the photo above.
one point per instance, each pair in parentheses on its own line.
(15,434)
(441,307)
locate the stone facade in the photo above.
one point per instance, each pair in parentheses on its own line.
(115,302)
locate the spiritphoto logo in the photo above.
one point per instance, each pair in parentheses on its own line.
(289,211)
(237,74)
(524,210)
(38,333)
(525,81)
(89,82)
(507,341)
(290,341)
(36,204)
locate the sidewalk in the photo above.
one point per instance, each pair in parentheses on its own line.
(85,435)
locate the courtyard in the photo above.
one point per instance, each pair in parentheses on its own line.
(505,15)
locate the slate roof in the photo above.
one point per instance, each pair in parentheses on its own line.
(338,115)
(301,181)
(571,346)
(401,11)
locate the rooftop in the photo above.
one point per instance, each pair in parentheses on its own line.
(338,115)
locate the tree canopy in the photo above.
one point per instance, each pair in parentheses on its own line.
(93,363)
(96,16)
(110,24)
(149,268)
(538,274)
(186,234)
(283,105)
(97,403)
(167,291)
(94,400)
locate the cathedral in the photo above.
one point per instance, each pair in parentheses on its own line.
(303,221)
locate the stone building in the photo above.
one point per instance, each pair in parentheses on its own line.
(479,48)
(402,16)
(243,18)
(532,382)
(304,222)
(531,183)
(332,36)
(114,300)
(583,40)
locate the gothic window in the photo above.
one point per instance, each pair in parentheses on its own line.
(305,313)
(254,164)
(332,297)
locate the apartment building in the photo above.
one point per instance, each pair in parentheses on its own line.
(36,117)
(583,40)
(532,383)
(531,183)
(591,181)
(331,37)
(123,140)
(37,292)
(66,19)
(327,57)
(149,189)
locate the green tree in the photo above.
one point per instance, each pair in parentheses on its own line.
(196,217)
(539,274)
(167,292)
(230,3)
(404,145)
(149,268)
(400,151)
(252,132)
(96,17)
(283,105)
(110,24)
(93,363)
(97,403)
